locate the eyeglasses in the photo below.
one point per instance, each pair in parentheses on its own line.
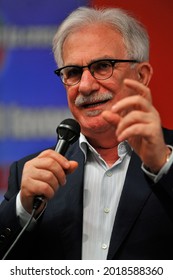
(101,70)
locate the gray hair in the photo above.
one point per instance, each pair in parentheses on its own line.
(134,34)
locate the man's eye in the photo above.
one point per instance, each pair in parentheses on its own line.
(73,72)
(103,65)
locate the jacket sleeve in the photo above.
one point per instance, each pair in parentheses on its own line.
(9,222)
(163,189)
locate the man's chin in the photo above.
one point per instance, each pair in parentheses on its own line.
(94,123)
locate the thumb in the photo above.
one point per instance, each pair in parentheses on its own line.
(111,118)
(73,166)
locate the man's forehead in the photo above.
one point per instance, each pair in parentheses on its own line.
(90,46)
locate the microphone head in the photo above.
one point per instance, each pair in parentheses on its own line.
(68,130)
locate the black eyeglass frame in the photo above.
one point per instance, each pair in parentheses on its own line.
(112,61)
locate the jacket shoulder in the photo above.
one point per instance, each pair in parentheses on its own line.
(168,136)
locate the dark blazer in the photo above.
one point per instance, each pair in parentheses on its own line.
(143,227)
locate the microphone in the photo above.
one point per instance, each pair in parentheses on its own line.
(68,132)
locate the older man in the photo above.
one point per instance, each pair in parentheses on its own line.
(111,196)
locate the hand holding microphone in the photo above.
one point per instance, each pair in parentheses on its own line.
(43,175)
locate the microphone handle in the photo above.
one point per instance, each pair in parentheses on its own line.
(62,146)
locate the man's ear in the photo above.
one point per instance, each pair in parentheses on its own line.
(144,72)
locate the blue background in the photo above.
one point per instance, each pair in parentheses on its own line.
(27,81)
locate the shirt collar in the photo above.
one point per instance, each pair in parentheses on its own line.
(123,147)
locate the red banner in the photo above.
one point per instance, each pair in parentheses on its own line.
(156,15)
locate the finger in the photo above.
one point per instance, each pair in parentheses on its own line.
(73,166)
(139,88)
(56,156)
(53,179)
(131,103)
(45,169)
(38,172)
(111,117)
(133,124)
(37,187)
(135,130)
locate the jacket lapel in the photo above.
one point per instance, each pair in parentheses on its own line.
(72,234)
(135,192)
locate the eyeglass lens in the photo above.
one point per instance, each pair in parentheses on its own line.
(100,70)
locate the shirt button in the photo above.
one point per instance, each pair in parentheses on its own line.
(109,173)
(104,246)
(106,210)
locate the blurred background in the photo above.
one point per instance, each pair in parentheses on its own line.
(32,99)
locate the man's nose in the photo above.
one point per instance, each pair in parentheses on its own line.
(88,83)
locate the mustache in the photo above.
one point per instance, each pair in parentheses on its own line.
(93,98)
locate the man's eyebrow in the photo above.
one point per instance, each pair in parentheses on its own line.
(91,61)
(100,58)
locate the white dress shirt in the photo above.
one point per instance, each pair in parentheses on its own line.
(102,190)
